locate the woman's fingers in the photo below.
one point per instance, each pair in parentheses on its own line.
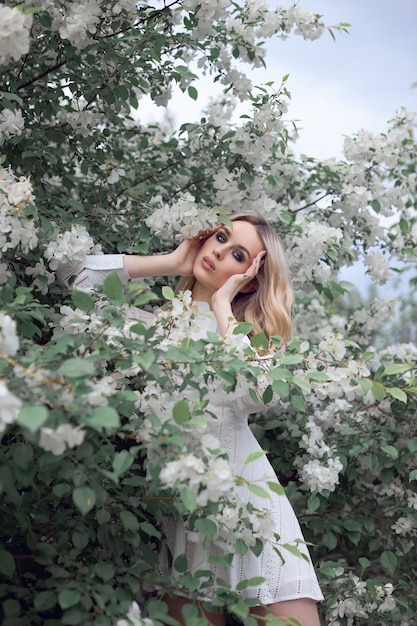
(255,266)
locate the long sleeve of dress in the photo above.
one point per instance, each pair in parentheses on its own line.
(92,271)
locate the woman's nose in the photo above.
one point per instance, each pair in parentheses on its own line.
(216,253)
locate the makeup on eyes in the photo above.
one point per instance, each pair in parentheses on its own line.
(226,233)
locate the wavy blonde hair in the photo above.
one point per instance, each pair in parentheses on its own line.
(268,306)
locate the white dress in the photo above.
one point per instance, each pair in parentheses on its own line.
(289,580)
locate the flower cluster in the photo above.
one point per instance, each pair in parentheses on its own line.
(208,474)
(57,440)
(15,230)
(10,406)
(235,520)
(319,470)
(184,219)
(308,252)
(357,599)
(9,340)
(11,124)
(134,617)
(14,33)
(81,19)
(72,245)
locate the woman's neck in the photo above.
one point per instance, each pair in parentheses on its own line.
(201,294)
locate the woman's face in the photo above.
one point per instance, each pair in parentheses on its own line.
(228,251)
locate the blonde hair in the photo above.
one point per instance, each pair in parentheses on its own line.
(269,305)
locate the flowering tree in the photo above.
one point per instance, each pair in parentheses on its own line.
(103,418)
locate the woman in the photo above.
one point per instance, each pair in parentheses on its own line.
(238,273)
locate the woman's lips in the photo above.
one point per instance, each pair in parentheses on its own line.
(207,263)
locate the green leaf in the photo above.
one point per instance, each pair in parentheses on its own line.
(103,417)
(105,570)
(145,359)
(258,491)
(254,456)
(396,368)
(192,92)
(241,547)
(243,328)
(313,503)
(300,382)
(260,340)
(68,598)
(84,499)
(181,412)
(378,391)
(207,527)
(250,582)
(389,561)
(74,369)
(412,475)
(317,376)
(276,488)
(121,462)
(32,417)
(189,499)
(298,402)
(82,300)
(281,388)
(364,562)
(129,521)
(168,293)
(390,450)
(44,600)
(7,564)
(181,563)
(113,288)
(150,530)
(397,393)
(240,609)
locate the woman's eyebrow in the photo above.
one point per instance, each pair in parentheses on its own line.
(228,233)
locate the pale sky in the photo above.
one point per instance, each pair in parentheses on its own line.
(359,81)
(338,87)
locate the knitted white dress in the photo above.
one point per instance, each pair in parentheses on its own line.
(289,580)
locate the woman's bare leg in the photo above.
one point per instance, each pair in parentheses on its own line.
(303,609)
(176,603)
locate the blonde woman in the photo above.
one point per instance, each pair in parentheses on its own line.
(235,273)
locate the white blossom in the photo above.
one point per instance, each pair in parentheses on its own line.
(377,267)
(10,406)
(11,124)
(182,219)
(81,20)
(14,33)
(9,340)
(320,476)
(134,617)
(72,245)
(59,439)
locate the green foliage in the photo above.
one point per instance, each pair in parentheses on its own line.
(94,407)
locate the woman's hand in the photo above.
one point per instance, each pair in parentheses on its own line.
(221,300)
(184,256)
(239,282)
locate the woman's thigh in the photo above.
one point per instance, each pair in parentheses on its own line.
(303,609)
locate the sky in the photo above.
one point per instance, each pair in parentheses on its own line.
(359,81)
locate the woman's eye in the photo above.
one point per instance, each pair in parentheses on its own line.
(220,237)
(238,256)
